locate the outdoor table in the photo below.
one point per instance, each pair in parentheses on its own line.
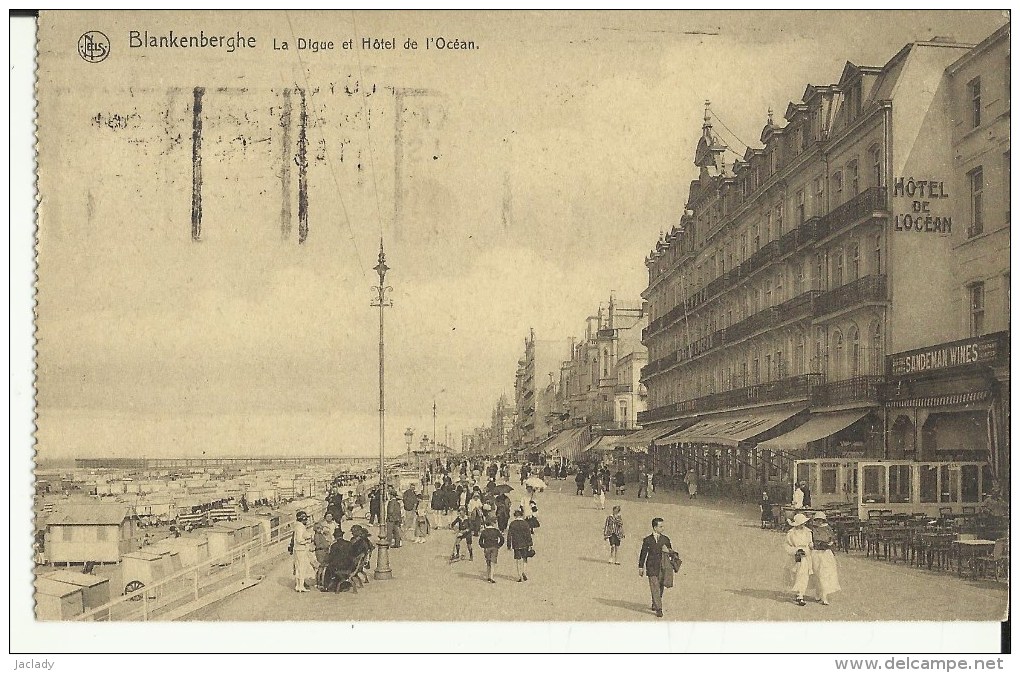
(972,548)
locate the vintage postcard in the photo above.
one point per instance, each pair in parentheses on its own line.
(645,317)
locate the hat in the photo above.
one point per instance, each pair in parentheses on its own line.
(819,515)
(798,520)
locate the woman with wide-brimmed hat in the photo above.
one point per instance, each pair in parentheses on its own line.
(823,561)
(302,549)
(798,547)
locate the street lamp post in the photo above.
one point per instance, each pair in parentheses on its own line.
(409,435)
(382,560)
(433,424)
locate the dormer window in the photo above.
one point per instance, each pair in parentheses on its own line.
(853,99)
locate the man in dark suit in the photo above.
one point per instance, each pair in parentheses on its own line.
(653,562)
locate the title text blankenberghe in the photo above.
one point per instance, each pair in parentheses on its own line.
(141,39)
(172,40)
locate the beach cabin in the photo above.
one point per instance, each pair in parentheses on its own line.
(57,601)
(226,535)
(95,590)
(192,551)
(92,532)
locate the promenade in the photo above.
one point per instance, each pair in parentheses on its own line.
(733,571)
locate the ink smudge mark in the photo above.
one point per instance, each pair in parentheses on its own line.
(285,118)
(302,162)
(196,166)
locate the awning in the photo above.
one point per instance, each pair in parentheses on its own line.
(635,441)
(566,444)
(731,430)
(818,426)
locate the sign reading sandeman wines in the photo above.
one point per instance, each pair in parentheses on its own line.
(944,356)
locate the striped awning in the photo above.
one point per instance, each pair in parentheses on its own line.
(731,429)
(942,400)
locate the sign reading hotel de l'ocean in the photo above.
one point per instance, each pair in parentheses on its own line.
(924,214)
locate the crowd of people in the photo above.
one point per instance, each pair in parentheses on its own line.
(475,502)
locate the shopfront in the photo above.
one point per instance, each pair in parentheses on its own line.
(950,403)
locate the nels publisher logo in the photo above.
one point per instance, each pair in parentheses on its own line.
(93,46)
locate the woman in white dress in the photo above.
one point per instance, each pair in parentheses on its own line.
(798,548)
(301,544)
(823,561)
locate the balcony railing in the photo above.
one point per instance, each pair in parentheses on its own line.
(856,389)
(791,388)
(871,200)
(866,289)
(800,306)
(874,199)
(763,319)
(657,366)
(656,414)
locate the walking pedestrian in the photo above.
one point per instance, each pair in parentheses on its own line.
(823,561)
(642,484)
(598,492)
(579,480)
(613,533)
(654,563)
(421,523)
(807,493)
(410,499)
(798,548)
(490,540)
(375,507)
(798,497)
(767,516)
(301,548)
(461,527)
(692,484)
(394,521)
(620,479)
(503,505)
(520,540)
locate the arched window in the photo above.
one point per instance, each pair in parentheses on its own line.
(853,339)
(875,159)
(799,349)
(819,358)
(605,362)
(837,352)
(877,352)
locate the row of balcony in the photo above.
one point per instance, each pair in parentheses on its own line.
(808,387)
(812,303)
(868,202)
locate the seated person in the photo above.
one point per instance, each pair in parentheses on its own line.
(340,564)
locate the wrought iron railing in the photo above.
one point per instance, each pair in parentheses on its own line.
(871,200)
(855,389)
(791,388)
(867,289)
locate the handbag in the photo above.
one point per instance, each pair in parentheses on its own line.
(530,553)
(675,561)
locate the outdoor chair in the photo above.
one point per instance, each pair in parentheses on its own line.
(997,561)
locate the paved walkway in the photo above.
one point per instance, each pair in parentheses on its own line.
(733,571)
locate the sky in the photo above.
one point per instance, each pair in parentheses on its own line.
(515,186)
